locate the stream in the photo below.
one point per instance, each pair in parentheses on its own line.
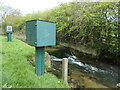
(99,73)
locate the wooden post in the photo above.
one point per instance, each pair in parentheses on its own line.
(65,69)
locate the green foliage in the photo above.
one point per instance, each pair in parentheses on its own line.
(93,24)
(17,72)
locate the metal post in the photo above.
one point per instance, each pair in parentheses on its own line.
(39,60)
(9,37)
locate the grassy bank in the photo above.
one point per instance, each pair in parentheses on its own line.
(17,72)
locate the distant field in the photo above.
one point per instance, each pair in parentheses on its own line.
(17,72)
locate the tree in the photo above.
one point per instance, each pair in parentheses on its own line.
(8,14)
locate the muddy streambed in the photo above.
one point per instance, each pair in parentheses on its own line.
(84,71)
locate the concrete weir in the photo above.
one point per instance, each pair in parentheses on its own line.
(83,49)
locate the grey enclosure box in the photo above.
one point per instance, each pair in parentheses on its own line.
(8,29)
(40,33)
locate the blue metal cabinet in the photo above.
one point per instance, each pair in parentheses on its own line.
(40,33)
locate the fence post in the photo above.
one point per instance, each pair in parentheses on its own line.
(65,69)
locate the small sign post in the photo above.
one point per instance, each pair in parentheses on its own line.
(9,33)
(40,33)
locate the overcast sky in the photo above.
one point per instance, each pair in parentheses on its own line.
(28,6)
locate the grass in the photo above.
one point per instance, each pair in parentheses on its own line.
(17,72)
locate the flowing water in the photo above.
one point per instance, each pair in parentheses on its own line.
(104,73)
